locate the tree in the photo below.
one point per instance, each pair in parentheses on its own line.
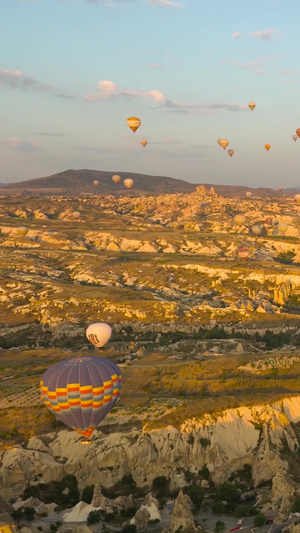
(219,526)
(259,520)
(87,494)
(196,493)
(129,528)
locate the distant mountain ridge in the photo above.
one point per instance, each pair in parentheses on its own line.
(80,182)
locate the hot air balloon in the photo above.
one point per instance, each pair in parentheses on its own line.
(256,229)
(295,137)
(243,252)
(252,105)
(269,221)
(248,194)
(81,391)
(298,132)
(99,334)
(223,142)
(116,178)
(22,230)
(76,214)
(267,147)
(297,198)
(280,188)
(144,142)
(96,182)
(282,227)
(240,219)
(230,152)
(128,183)
(133,123)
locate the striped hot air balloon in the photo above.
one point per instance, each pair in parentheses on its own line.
(243,252)
(298,132)
(80,392)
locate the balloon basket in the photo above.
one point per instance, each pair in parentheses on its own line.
(85,441)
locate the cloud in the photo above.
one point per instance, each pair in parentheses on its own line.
(14,79)
(168,3)
(21,146)
(155,66)
(264,35)
(108,90)
(49,134)
(259,72)
(203,109)
(250,64)
(237,35)
(96,149)
(287,71)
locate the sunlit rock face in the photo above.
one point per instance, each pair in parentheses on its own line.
(224,443)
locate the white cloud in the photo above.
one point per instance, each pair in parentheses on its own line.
(169,3)
(265,35)
(21,146)
(250,64)
(108,90)
(155,66)
(203,109)
(287,71)
(14,79)
(237,35)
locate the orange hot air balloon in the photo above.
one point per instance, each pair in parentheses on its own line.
(128,183)
(230,152)
(223,142)
(116,178)
(280,188)
(96,182)
(133,123)
(267,147)
(243,252)
(298,132)
(252,105)
(144,142)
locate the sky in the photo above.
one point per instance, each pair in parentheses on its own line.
(73,71)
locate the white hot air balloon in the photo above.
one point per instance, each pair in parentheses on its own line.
(248,194)
(98,334)
(76,214)
(128,183)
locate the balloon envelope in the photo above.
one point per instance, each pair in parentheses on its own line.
(128,183)
(22,231)
(252,105)
(223,142)
(80,392)
(297,198)
(240,219)
(282,227)
(295,137)
(144,142)
(96,182)
(267,147)
(76,214)
(99,334)
(243,252)
(256,229)
(248,194)
(116,178)
(133,123)
(298,132)
(230,152)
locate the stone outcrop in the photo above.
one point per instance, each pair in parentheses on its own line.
(148,511)
(182,518)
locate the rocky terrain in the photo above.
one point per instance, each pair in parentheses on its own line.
(208,345)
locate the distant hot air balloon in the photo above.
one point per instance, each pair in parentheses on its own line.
(223,142)
(116,178)
(267,147)
(76,214)
(282,227)
(295,137)
(230,152)
(240,219)
(22,231)
(297,198)
(298,132)
(133,123)
(269,221)
(96,182)
(280,188)
(256,229)
(248,194)
(80,392)
(252,105)
(98,334)
(243,252)
(144,142)
(128,183)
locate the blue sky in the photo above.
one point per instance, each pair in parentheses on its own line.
(72,71)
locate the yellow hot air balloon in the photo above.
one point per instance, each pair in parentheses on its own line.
(252,105)
(240,219)
(267,147)
(76,214)
(223,142)
(23,231)
(248,194)
(96,182)
(230,152)
(144,142)
(298,132)
(297,198)
(133,123)
(294,137)
(128,183)
(116,178)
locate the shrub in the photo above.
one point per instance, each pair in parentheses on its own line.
(94,517)
(219,526)
(88,493)
(196,493)
(129,528)
(259,520)
(160,486)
